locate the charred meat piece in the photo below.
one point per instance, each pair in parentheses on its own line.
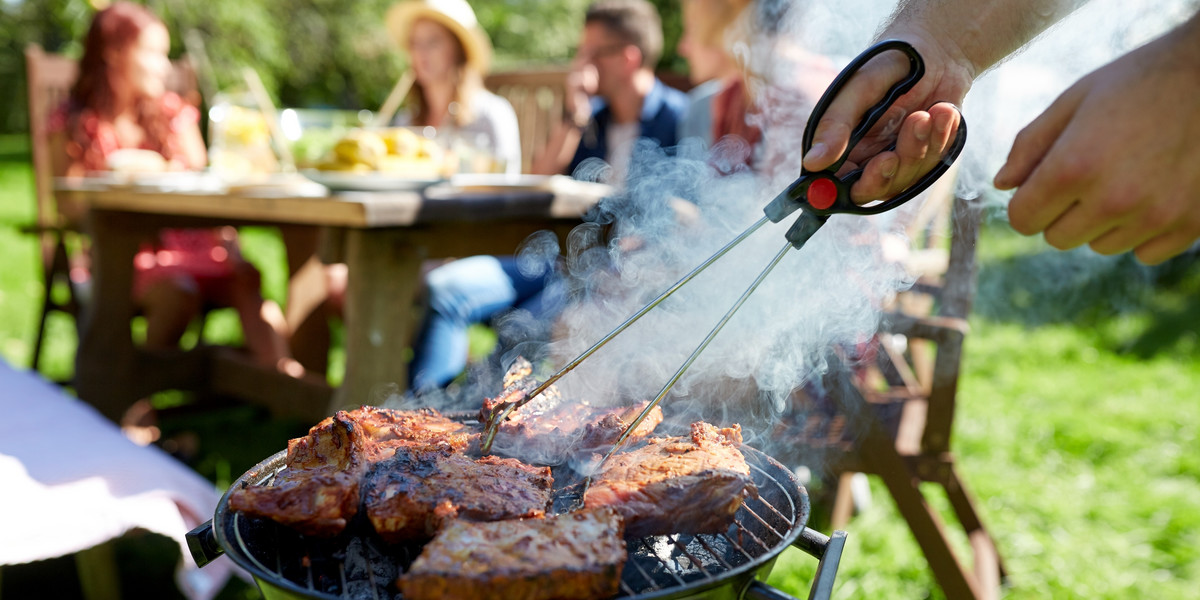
(548,428)
(676,485)
(390,428)
(573,555)
(605,427)
(317,493)
(414,493)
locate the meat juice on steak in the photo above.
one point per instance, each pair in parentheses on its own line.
(692,484)
(317,493)
(410,496)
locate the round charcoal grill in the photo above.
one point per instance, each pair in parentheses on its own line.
(357,565)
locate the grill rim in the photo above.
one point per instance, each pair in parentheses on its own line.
(225,520)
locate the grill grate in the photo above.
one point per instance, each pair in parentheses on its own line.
(359,566)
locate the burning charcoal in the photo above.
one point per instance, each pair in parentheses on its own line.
(368,570)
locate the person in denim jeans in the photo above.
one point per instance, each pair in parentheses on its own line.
(620,44)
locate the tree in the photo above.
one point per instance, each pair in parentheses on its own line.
(309,53)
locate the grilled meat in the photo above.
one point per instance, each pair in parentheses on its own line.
(317,493)
(414,493)
(676,485)
(574,555)
(548,428)
(605,427)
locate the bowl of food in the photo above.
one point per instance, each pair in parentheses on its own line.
(312,132)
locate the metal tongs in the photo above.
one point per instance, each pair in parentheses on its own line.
(817,194)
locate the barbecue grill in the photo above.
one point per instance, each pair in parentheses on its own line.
(357,565)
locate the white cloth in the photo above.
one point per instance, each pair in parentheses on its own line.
(71,480)
(621,138)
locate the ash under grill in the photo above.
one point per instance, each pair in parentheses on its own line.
(358,565)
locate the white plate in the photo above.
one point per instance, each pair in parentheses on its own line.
(503,181)
(368,182)
(179,181)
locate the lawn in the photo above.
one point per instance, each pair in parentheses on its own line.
(1077,427)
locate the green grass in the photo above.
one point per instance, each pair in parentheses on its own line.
(1076,432)
(1077,426)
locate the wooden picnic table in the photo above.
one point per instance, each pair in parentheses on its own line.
(388,234)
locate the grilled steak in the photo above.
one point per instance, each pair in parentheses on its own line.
(411,495)
(317,492)
(548,428)
(676,485)
(574,555)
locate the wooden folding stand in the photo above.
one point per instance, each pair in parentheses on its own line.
(888,412)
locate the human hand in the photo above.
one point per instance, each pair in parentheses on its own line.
(922,123)
(1112,162)
(581,83)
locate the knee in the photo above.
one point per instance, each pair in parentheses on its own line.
(180,295)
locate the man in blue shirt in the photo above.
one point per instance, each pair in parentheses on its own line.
(613,100)
(613,97)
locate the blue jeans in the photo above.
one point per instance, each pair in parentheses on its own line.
(475,290)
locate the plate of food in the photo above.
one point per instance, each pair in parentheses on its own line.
(381,160)
(368,181)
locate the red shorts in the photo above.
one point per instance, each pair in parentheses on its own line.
(199,255)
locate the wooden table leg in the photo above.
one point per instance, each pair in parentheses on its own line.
(110,371)
(384,277)
(105,360)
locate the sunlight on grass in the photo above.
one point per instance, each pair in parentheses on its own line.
(1076,429)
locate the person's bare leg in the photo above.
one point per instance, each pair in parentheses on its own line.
(263,324)
(169,306)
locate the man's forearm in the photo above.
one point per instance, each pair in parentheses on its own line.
(980,32)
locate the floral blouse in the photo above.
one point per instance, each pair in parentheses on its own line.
(91,139)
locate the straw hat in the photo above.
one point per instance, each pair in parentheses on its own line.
(455,15)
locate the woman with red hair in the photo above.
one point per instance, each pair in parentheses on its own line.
(120,116)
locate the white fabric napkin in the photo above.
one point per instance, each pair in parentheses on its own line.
(70,480)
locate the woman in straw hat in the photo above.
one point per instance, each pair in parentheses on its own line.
(449,53)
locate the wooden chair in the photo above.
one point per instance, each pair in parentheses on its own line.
(49,79)
(537,97)
(901,393)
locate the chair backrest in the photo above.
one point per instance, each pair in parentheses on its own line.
(49,79)
(537,98)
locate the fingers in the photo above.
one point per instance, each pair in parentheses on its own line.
(1035,140)
(922,142)
(1044,195)
(1163,247)
(862,91)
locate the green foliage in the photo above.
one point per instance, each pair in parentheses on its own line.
(309,53)
(1077,436)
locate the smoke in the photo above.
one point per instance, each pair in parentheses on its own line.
(677,210)
(829,294)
